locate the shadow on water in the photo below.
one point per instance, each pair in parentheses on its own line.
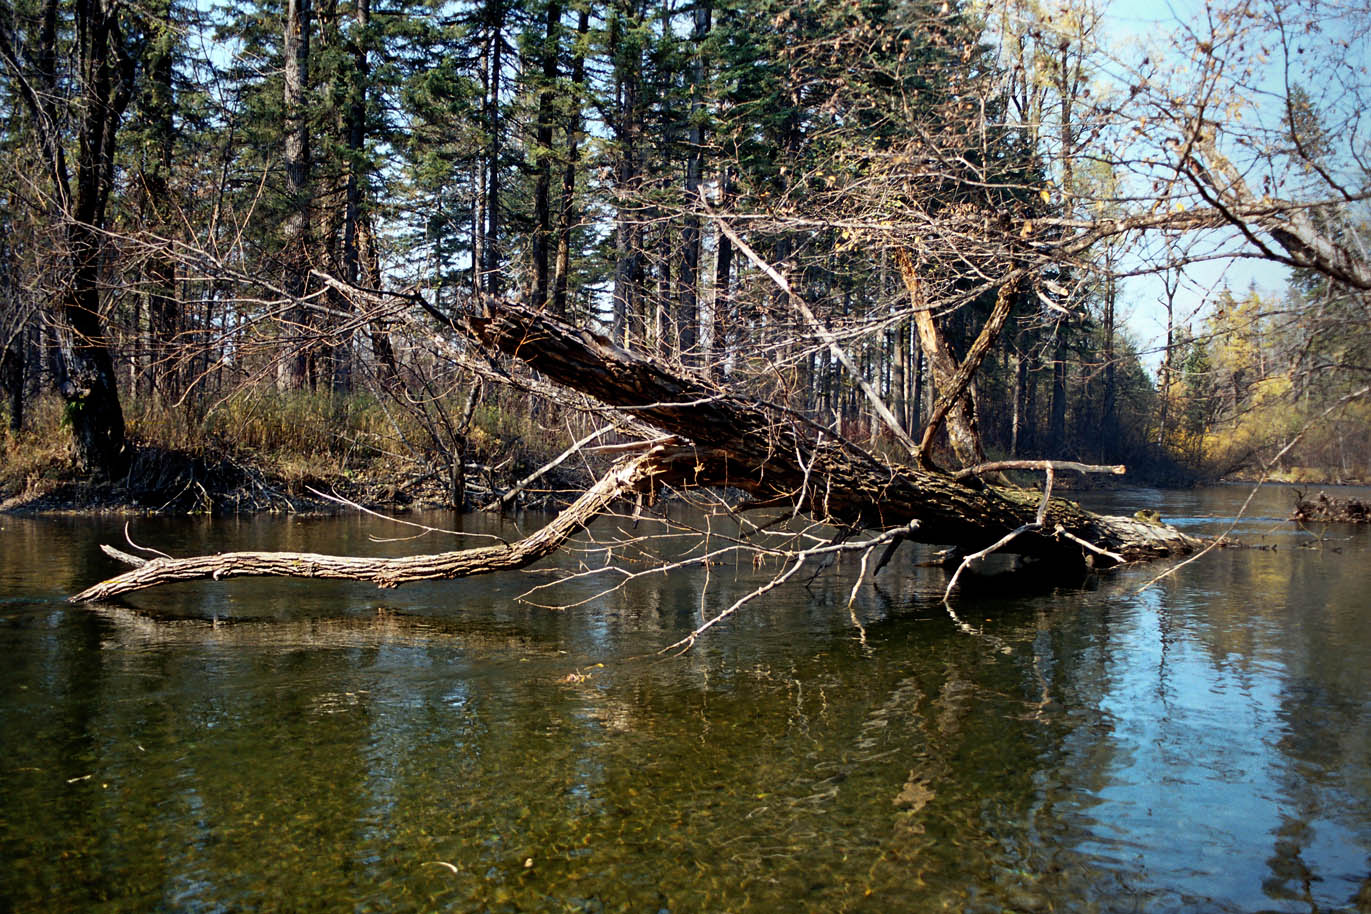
(266,745)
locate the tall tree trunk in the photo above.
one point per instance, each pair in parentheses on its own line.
(542,153)
(1020,402)
(900,368)
(916,398)
(478,222)
(355,126)
(1068,77)
(688,309)
(490,262)
(899,374)
(84,372)
(664,329)
(293,372)
(1109,424)
(1028,429)
(566,219)
(629,325)
(14,369)
(1057,419)
(355,137)
(163,305)
(723,265)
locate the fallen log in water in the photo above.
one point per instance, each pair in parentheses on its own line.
(783,458)
(720,439)
(1323,509)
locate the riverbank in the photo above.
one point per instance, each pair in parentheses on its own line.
(42,477)
(171,482)
(264,453)
(278,457)
(166,481)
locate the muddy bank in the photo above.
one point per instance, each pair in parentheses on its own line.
(165,481)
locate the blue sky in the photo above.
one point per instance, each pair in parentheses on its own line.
(1150,24)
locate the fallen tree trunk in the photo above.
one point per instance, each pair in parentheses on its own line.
(776,455)
(628,476)
(783,458)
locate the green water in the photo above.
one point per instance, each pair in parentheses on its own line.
(283,746)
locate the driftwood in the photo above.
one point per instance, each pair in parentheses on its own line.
(629,475)
(718,439)
(1322,509)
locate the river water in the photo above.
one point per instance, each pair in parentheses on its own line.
(1204,745)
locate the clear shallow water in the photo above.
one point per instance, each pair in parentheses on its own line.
(1202,746)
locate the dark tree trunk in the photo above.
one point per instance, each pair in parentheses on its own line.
(87,382)
(542,155)
(567,216)
(294,371)
(723,265)
(688,310)
(1109,421)
(163,304)
(354,138)
(1057,420)
(355,126)
(13,371)
(665,341)
(90,391)
(629,324)
(490,253)
(83,367)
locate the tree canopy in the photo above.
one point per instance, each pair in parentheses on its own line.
(301,197)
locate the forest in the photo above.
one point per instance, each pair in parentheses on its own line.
(244,243)
(808,383)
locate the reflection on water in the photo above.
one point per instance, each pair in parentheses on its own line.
(268,745)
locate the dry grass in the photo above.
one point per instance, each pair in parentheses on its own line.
(36,460)
(261,441)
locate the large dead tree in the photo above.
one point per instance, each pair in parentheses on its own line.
(717,439)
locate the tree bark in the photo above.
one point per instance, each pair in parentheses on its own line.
(13,374)
(159,108)
(84,368)
(629,326)
(542,154)
(566,219)
(1057,418)
(1109,418)
(490,252)
(688,309)
(355,127)
(952,387)
(722,306)
(293,372)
